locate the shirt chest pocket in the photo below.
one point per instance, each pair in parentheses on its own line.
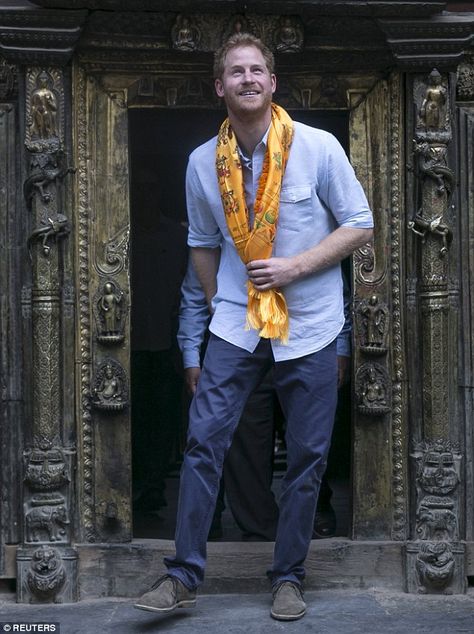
(296,209)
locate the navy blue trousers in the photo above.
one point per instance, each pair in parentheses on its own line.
(307,390)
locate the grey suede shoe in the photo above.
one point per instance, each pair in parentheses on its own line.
(288,604)
(167,594)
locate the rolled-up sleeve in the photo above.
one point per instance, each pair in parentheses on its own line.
(203,229)
(340,190)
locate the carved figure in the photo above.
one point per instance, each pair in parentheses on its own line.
(47,574)
(110,385)
(110,307)
(374,325)
(437,472)
(44,107)
(44,171)
(288,37)
(49,232)
(185,35)
(7,79)
(238,26)
(465,82)
(435,566)
(47,519)
(432,163)
(109,392)
(372,390)
(436,524)
(432,109)
(435,227)
(46,469)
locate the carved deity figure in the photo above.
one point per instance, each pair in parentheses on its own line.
(433,106)
(110,386)
(44,107)
(185,35)
(110,307)
(373,394)
(374,325)
(109,392)
(435,566)
(288,38)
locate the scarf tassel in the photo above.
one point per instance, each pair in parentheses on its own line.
(267,312)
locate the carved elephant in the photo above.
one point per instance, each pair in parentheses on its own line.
(49,519)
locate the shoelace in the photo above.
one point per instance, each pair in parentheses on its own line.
(161,579)
(295,586)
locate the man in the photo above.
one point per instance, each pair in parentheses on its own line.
(267,236)
(248,467)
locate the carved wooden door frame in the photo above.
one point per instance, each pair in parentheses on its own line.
(103,226)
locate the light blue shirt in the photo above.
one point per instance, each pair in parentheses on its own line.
(194,320)
(319,193)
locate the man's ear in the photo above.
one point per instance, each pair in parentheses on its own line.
(274,83)
(219,87)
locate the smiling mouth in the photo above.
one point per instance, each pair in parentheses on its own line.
(249,93)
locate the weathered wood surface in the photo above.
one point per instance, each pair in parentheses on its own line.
(128,569)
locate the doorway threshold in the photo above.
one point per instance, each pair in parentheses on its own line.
(128,569)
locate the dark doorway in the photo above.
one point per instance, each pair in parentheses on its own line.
(160,143)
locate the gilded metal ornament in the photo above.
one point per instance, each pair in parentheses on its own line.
(45,110)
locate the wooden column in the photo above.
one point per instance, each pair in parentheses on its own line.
(435,557)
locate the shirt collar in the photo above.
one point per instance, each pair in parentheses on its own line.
(245,159)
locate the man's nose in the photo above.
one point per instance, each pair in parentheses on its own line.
(248,76)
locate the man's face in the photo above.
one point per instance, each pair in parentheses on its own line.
(246,84)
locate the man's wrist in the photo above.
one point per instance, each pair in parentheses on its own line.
(191,359)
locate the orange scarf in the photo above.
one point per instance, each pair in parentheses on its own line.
(266,310)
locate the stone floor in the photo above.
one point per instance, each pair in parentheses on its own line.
(329,612)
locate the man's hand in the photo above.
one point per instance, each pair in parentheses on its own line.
(191,378)
(271,273)
(278,272)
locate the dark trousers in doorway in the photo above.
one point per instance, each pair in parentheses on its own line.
(307,390)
